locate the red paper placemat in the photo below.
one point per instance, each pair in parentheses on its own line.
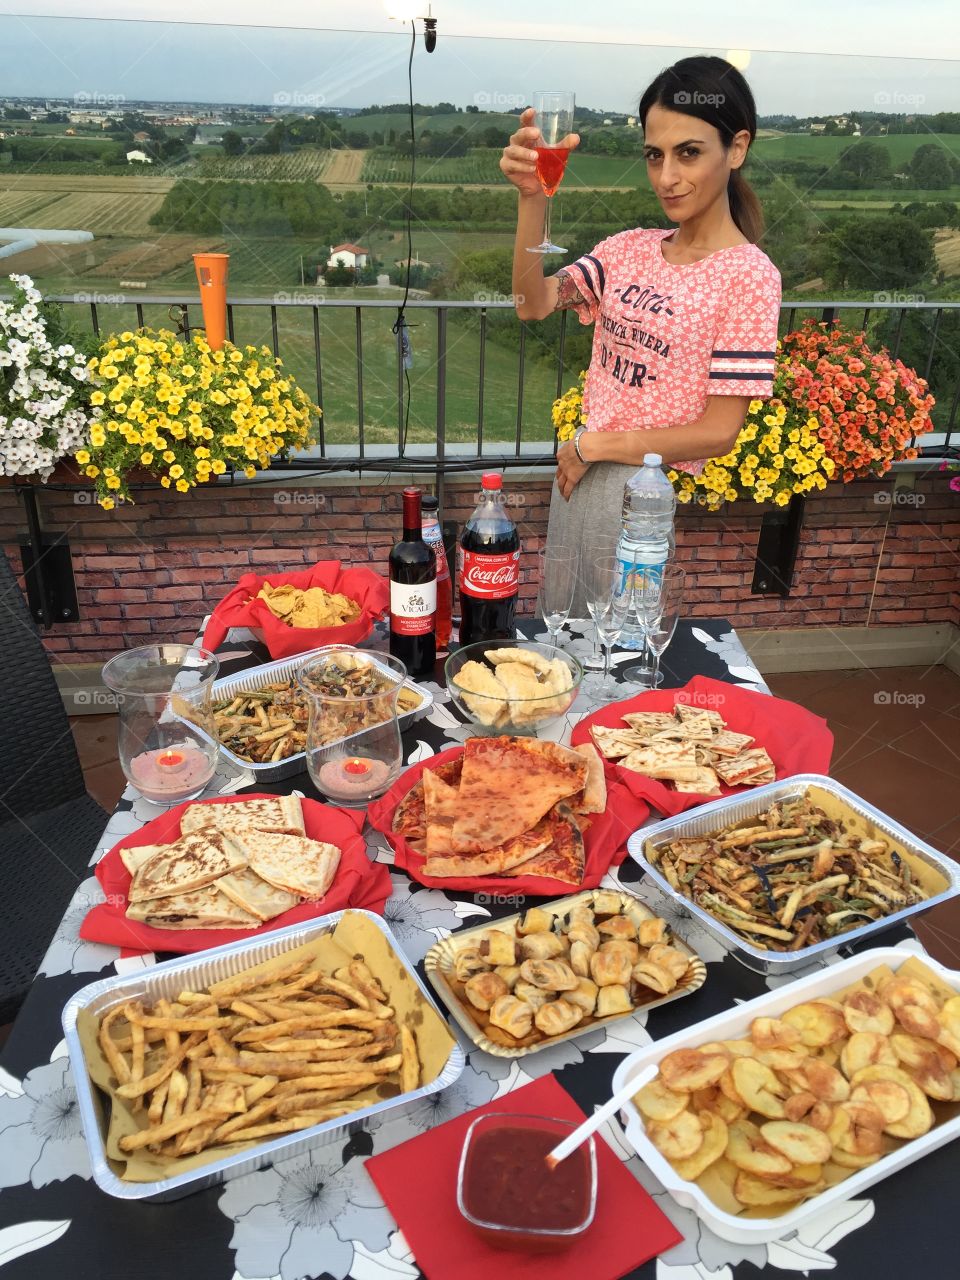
(605,840)
(796,740)
(241,608)
(358,883)
(418,1182)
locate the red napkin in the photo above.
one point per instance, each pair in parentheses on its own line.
(604,840)
(796,740)
(627,1231)
(358,883)
(241,608)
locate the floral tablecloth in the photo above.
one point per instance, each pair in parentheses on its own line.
(319,1215)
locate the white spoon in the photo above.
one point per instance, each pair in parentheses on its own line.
(593,1123)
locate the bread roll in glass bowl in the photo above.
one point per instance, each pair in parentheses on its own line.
(512,686)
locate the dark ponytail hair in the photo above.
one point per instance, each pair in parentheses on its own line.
(713,90)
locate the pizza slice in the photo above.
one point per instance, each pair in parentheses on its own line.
(564,858)
(507,785)
(410,818)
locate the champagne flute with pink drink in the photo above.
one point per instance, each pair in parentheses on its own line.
(554,118)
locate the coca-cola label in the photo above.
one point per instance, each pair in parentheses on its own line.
(490,577)
(413,608)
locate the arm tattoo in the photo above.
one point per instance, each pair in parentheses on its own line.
(568,295)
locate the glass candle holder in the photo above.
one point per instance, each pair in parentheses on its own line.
(167,744)
(354,753)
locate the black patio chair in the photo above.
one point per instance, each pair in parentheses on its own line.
(49,825)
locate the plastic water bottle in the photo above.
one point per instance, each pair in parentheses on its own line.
(647,539)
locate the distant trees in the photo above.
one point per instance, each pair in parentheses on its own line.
(232,143)
(877,252)
(865,160)
(257,208)
(930,167)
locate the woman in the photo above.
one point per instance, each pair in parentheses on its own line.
(685,319)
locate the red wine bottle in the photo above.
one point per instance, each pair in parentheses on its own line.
(413,593)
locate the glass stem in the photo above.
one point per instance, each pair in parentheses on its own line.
(656,668)
(546,221)
(596,644)
(606,663)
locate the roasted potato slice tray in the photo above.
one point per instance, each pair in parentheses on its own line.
(733,1024)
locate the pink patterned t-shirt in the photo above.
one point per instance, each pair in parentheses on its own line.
(669,336)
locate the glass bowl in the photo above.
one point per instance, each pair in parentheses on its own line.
(506,1192)
(513,713)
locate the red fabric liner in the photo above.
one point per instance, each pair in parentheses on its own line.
(796,740)
(604,840)
(627,1231)
(370,590)
(358,883)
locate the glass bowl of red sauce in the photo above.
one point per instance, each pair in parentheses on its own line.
(506,1191)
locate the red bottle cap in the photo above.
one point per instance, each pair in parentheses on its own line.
(492,480)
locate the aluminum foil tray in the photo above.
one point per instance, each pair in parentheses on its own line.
(285,669)
(198,970)
(736,809)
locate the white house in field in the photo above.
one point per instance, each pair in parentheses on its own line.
(349,255)
(138,157)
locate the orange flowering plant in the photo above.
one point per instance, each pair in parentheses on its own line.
(870,406)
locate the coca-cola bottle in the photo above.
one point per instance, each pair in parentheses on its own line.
(489,568)
(434,538)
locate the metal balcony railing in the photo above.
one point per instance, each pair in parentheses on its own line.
(938,333)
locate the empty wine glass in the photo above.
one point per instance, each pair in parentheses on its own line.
(554,118)
(604,545)
(608,599)
(558,579)
(658,598)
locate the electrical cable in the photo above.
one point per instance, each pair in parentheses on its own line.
(400,324)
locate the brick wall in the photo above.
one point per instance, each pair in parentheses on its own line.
(155,569)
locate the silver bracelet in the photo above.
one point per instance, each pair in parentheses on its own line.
(576,444)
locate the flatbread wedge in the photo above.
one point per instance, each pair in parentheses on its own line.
(300,866)
(255,895)
(273,813)
(507,785)
(594,797)
(192,862)
(529,657)
(614,743)
(205,908)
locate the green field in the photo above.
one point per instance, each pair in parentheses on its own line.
(824,149)
(400,121)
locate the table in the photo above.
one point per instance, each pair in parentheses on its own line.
(320,1215)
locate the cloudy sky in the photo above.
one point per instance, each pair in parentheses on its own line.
(882,54)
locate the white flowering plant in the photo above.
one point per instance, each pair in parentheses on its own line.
(44,385)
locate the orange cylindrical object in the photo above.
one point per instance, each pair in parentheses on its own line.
(212,278)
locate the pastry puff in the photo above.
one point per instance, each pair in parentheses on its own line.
(624,947)
(580,954)
(541,946)
(580,931)
(584,996)
(607,903)
(498,947)
(610,968)
(618,927)
(513,1016)
(535,920)
(652,931)
(654,976)
(669,958)
(531,995)
(613,999)
(467,962)
(550,975)
(483,989)
(558,1016)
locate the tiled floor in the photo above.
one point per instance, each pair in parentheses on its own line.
(897,743)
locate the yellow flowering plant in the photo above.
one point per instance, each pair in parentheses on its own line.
(568,411)
(185,412)
(778,452)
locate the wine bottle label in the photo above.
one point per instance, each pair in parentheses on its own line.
(490,577)
(413,608)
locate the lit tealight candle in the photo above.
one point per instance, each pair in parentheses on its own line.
(171,761)
(353,779)
(171,773)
